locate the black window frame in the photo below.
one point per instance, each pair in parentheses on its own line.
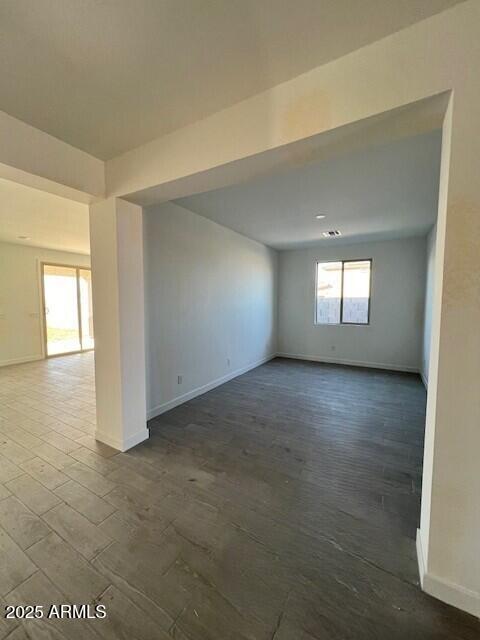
(341,322)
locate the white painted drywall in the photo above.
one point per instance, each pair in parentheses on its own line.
(439,54)
(432,56)
(49,221)
(429,289)
(34,158)
(393,339)
(116,244)
(210,297)
(21,323)
(359,85)
(382,192)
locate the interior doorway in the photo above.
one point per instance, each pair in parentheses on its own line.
(67,309)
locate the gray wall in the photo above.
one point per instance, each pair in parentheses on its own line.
(210,304)
(429,289)
(394,337)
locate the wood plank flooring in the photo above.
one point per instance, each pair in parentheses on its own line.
(280,506)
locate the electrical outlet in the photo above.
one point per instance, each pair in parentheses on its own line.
(179,379)
(228,362)
(333,347)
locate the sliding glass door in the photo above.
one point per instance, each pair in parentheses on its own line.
(67,304)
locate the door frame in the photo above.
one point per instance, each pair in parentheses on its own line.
(78,268)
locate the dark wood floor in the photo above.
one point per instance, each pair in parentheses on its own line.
(280,506)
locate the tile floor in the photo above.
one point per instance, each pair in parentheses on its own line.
(280,506)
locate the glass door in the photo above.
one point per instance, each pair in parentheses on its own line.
(67,304)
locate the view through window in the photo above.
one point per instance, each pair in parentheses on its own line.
(67,297)
(343,292)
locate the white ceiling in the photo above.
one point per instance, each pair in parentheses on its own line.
(385,191)
(47,220)
(109,75)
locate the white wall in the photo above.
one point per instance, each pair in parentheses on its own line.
(365,83)
(21,337)
(116,247)
(35,158)
(429,289)
(393,339)
(210,297)
(431,56)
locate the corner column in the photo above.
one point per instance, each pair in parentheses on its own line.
(116,246)
(448,541)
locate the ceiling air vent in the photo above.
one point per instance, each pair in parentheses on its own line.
(331,234)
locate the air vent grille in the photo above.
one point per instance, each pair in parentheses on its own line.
(331,234)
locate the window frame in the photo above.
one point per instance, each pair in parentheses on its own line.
(341,322)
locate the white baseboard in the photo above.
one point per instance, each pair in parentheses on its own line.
(420,558)
(123,445)
(175,402)
(352,363)
(7,363)
(444,590)
(424,380)
(185,397)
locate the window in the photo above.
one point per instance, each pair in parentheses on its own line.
(342,292)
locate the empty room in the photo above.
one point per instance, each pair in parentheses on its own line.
(239,311)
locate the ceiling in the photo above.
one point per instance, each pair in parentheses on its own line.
(385,191)
(408,120)
(47,220)
(109,75)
